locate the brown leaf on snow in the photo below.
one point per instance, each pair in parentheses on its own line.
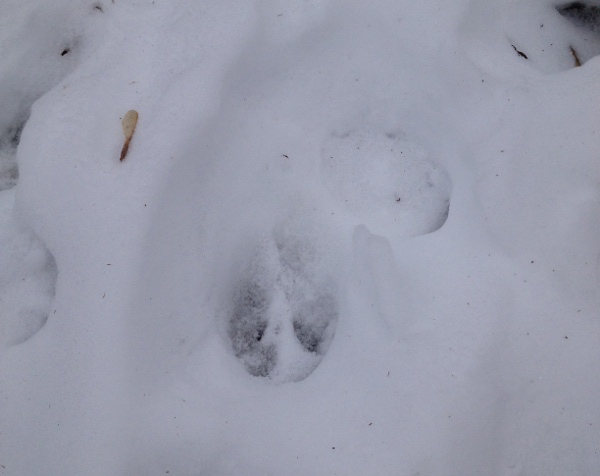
(129,123)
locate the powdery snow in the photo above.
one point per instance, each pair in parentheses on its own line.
(348,238)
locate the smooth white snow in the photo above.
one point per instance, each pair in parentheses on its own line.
(348,238)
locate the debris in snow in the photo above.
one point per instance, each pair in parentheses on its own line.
(129,123)
(520,53)
(575,56)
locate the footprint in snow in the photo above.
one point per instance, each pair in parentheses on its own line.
(9,140)
(27,279)
(386,180)
(283,311)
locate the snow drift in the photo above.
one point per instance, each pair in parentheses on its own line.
(347,238)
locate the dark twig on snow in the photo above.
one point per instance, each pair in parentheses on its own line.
(575,56)
(520,53)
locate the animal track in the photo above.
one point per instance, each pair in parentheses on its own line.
(9,140)
(283,312)
(39,63)
(27,282)
(312,321)
(386,180)
(247,327)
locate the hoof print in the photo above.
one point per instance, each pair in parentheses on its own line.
(27,285)
(247,328)
(281,319)
(261,362)
(313,321)
(387,180)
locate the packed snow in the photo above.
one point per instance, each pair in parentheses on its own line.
(347,237)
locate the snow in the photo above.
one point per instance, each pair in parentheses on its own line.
(347,238)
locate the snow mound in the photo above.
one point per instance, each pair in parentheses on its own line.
(32,64)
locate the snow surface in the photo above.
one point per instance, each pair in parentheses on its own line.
(348,238)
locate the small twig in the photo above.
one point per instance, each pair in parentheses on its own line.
(520,53)
(575,56)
